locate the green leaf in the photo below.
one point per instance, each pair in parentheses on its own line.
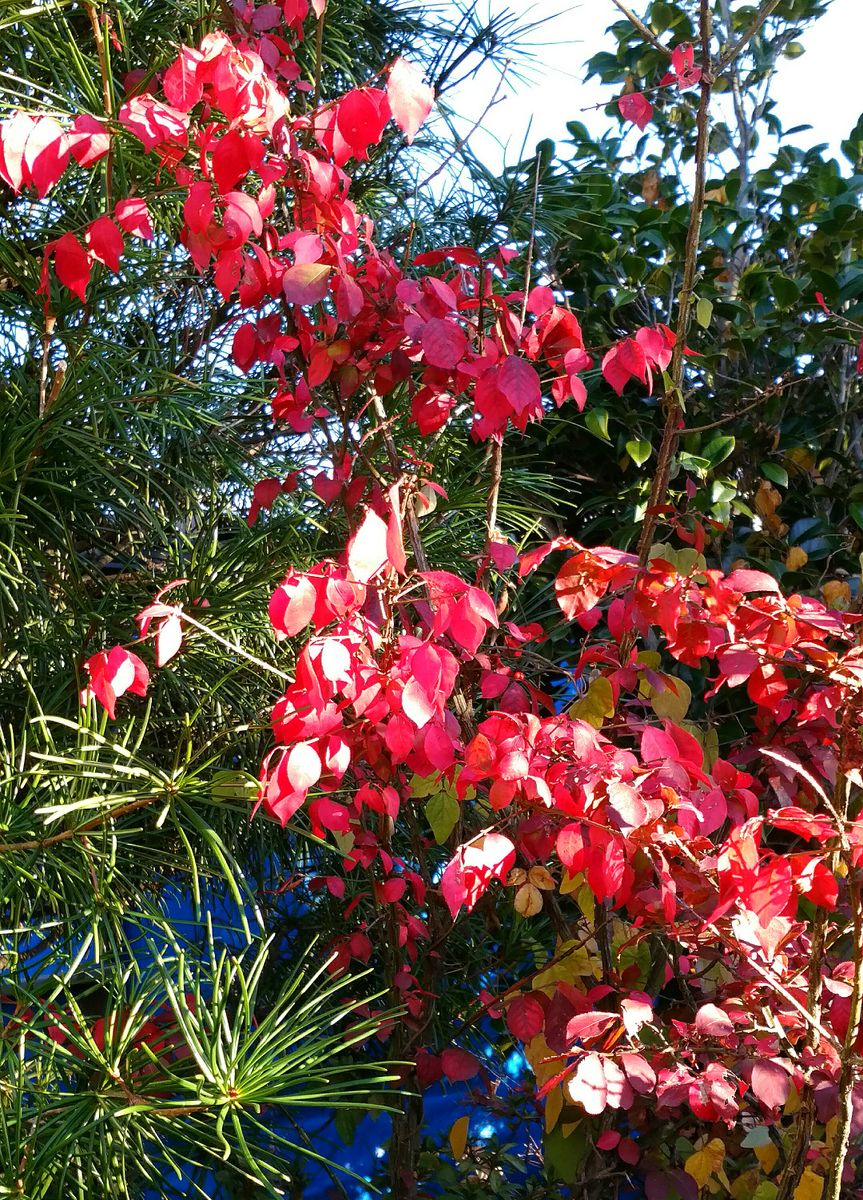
(718,450)
(596,421)
(704,312)
(639,450)
(855,508)
(775,473)
(442,813)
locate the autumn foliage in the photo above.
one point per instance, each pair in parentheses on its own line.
(421,732)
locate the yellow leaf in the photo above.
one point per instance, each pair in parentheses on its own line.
(573,963)
(768,1156)
(674,701)
(650,659)
(344,841)
(796,558)
(706,1162)
(553,1108)
(570,883)
(744,1185)
(587,902)
(544,1064)
(528,900)
(458,1137)
(708,740)
(837,594)
(516,877)
(810,1186)
(596,705)
(792,1104)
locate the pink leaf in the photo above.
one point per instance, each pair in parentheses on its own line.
(584,1027)
(587,1086)
(306,283)
(410,99)
(168,640)
(635,107)
(770,1083)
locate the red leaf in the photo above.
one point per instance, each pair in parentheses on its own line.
(471,870)
(112,674)
(635,107)
(458,1065)
(306,283)
(525,1017)
(770,1083)
(585,1027)
(711,1021)
(133,218)
(46,154)
(264,493)
(410,99)
(89,140)
(519,382)
(304,766)
(745,580)
(105,242)
(72,264)
(571,848)
(292,605)
(444,343)
(180,84)
(367,549)
(153,122)
(772,891)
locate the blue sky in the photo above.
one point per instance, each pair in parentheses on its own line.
(822,88)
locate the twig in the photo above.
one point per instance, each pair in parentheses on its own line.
(848,1055)
(107,102)
(232,646)
(671,432)
(50,322)
(80,830)
(763,395)
(497,446)
(760,17)
(410,512)
(796,1159)
(647,34)
(319,55)
(462,142)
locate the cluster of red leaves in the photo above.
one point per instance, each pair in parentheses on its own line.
(620,799)
(635,107)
